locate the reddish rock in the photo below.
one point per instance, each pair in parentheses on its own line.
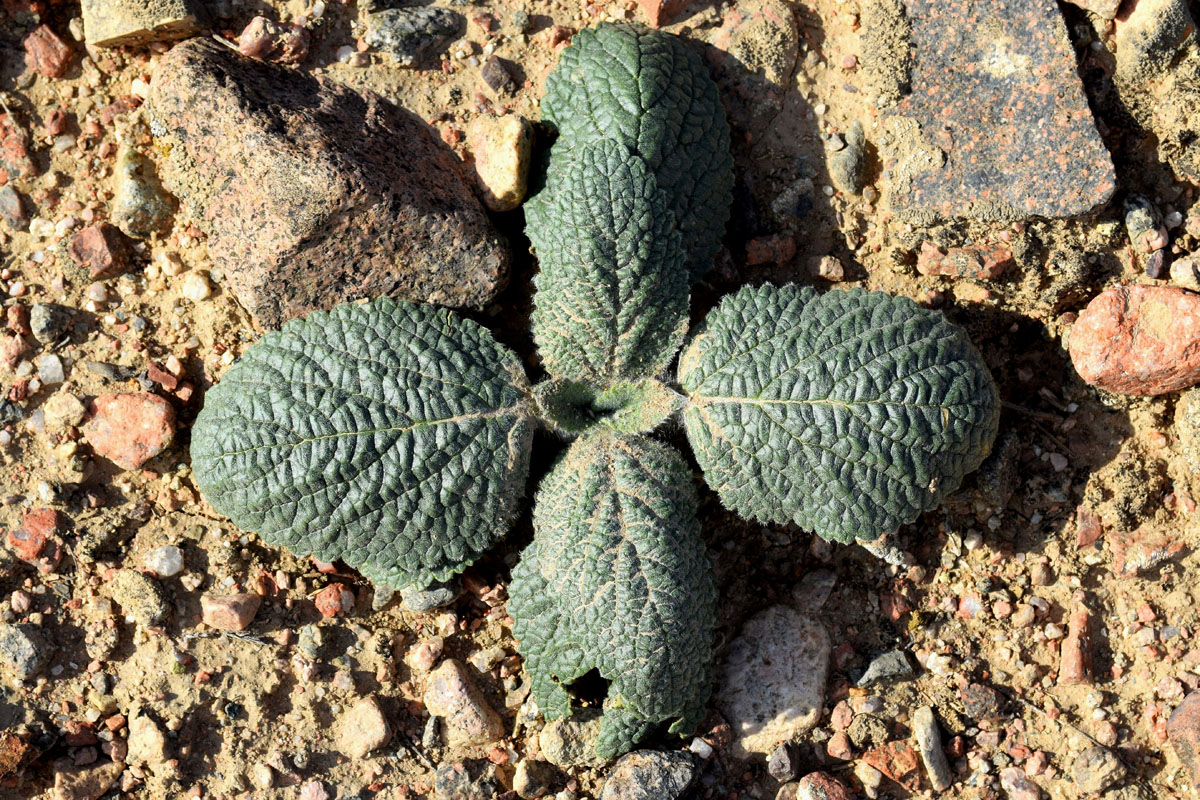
(160,376)
(831,269)
(979,263)
(45,53)
(1088,528)
(130,429)
(1000,124)
(1142,550)
(1076,664)
(77,733)
(15,161)
(776,249)
(56,122)
(839,746)
(560,36)
(16,319)
(12,347)
(660,12)
(13,750)
(37,542)
(284,43)
(102,249)
(981,703)
(822,786)
(119,108)
(1140,340)
(334,600)
(312,194)
(233,612)
(1183,731)
(897,761)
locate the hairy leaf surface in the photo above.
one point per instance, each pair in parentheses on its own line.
(612,292)
(617,580)
(390,435)
(848,413)
(648,91)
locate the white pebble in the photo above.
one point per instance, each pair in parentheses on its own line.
(97,292)
(41,227)
(165,561)
(50,370)
(195,287)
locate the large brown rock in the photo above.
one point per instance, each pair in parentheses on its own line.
(1141,340)
(1183,729)
(313,194)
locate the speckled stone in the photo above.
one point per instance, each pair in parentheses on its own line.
(1002,127)
(313,194)
(1183,730)
(773,679)
(451,695)
(1140,340)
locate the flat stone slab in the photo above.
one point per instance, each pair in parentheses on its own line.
(312,194)
(996,125)
(121,23)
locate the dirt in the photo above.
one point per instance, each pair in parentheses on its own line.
(1070,460)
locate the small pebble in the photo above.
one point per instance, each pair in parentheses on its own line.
(165,561)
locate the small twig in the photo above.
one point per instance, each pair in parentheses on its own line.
(411,747)
(1030,412)
(235,634)
(225,42)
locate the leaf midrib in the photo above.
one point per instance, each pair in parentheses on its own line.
(399,429)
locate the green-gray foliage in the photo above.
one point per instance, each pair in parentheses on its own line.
(848,413)
(392,436)
(651,93)
(612,292)
(617,580)
(395,437)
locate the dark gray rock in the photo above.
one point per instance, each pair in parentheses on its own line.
(49,321)
(413,35)
(468,780)
(23,650)
(891,666)
(13,208)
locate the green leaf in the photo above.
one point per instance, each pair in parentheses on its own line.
(392,436)
(648,91)
(617,580)
(848,413)
(612,291)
